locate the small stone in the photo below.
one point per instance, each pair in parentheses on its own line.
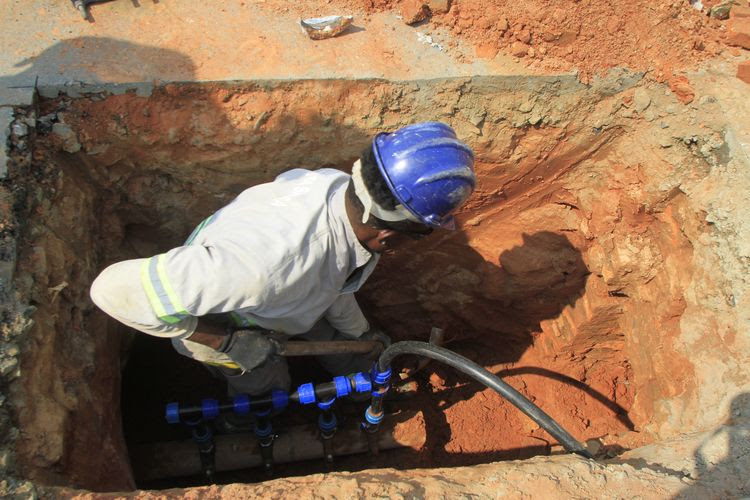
(613,25)
(649,115)
(7,365)
(68,136)
(707,99)
(682,89)
(439,6)
(721,11)
(20,129)
(519,49)
(502,24)
(526,106)
(665,142)
(414,11)
(594,446)
(641,100)
(524,36)
(743,71)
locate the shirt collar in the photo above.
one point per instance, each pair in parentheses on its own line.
(361,255)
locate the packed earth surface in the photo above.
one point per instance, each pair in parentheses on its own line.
(600,267)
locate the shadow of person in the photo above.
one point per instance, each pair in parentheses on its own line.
(722,460)
(491,311)
(99,60)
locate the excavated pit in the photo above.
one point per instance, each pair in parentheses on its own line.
(567,276)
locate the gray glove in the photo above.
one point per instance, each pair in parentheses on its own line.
(375,333)
(249,348)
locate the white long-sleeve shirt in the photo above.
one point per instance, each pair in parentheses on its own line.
(282,256)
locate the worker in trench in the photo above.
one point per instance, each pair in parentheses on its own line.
(287,257)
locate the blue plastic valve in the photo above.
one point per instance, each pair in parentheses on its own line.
(327,425)
(343,386)
(172,413)
(324,405)
(262,432)
(242,404)
(279,399)
(372,418)
(306,393)
(362,383)
(210,408)
(381,378)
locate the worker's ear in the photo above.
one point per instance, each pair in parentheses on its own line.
(379,241)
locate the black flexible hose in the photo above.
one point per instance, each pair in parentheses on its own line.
(492,381)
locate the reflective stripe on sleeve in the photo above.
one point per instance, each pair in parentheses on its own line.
(199,228)
(160,294)
(240,320)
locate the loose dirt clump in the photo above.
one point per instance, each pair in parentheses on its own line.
(591,37)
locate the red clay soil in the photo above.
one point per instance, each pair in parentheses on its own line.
(659,37)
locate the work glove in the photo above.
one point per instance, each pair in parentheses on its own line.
(249,348)
(375,333)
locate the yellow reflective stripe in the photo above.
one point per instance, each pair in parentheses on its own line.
(240,320)
(154,284)
(153,298)
(231,365)
(173,298)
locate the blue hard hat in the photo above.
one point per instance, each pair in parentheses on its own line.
(428,170)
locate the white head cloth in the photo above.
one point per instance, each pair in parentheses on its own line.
(371,206)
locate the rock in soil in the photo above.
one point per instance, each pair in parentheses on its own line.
(743,71)
(414,11)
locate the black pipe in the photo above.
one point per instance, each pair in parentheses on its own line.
(478,373)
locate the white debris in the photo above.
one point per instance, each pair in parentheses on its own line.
(427,39)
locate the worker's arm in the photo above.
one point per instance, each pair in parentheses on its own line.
(165,295)
(346,316)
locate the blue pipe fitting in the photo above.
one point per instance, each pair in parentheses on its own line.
(263,413)
(306,393)
(242,404)
(172,413)
(327,425)
(210,408)
(204,437)
(263,432)
(372,418)
(362,383)
(381,378)
(279,399)
(343,386)
(325,405)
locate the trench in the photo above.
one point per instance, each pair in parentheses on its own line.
(535,285)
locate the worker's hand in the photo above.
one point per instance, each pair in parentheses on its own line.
(249,348)
(375,333)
